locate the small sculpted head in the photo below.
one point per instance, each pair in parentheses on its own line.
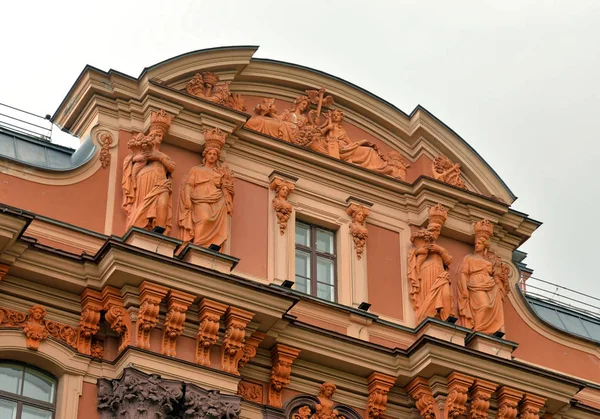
(302,103)
(481,243)
(337,115)
(211,155)
(327,389)
(435,230)
(37,312)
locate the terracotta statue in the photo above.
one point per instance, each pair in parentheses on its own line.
(147,178)
(358,229)
(428,270)
(325,406)
(206,197)
(284,126)
(205,86)
(35,328)
(283,209)
(443,169)
(483,285)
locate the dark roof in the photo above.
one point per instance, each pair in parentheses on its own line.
(581,323)
(42,153)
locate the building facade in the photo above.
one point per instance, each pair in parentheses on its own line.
(245,238)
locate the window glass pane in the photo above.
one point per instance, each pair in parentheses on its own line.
(302,285)
(303,234)
(10,378)
(302,263)
(8,410)
(325,241)
(30,412)
(38,386)
(325,270)
(325,292)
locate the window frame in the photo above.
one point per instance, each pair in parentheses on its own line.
(20,400)
(314,254)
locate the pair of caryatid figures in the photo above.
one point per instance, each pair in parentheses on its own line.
(482,285)
(206,195)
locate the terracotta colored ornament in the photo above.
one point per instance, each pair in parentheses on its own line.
(206,86)
(35,328)
(428,271)
(91,303)
(508,403)
(147,178)
(483,285)
(530,406)
(3,270)
(282,357)
(248,351)
(419,390)
(443,169)
(379,387)
(285,126)
(283,209)
(106,140)
(250,391)
(11,318)
(398,165)
(177,306)
(62,332)
(358,228)
(481,394)
(206,197)
(232,347)
(210,313)
(458,388)
(150,297)
(97,350)
(116,315)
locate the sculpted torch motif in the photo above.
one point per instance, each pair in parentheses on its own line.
(283,209)
(428,271)
(206,197)
(443,169)
(358,228)
(483,285)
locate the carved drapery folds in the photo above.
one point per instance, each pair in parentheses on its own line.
(358,227)
(150,297)
(323,132)
(206,86)
(483,285)
(508,402)
(146,179)
(379,386)
(177,305)
(206,197)
(481,392)
(232,348)
(419,390)
(210,313)
(106,140)
(282,357)
(143,396)
(458,388)
(117,317)
(445,170)
(91,306)
(283,209)
(428,270)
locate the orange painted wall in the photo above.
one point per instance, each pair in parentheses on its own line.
(422,166)
(249,228)
(88,402)
(82,204)
(384,272)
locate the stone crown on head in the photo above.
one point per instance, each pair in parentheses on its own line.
(214,138)
(484,228)
(160,120)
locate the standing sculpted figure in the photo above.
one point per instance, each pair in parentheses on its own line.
(428,270)
(147,178)
(483,285)
(206,197)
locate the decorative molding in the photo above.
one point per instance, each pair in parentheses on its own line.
(210,313)
(251,392)
(282,357)
(105,139)
(97,350)
(358,227)
(419,390)
(458,388)
(530,406)
(236,321)
(201,403)
(147,317)
(3,270)
(283,209)
(481,392)
(379,386)
(177,305)
(91,306)
(508,403)
(248,351)
(116,315)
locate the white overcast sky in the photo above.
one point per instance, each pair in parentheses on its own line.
(518,80)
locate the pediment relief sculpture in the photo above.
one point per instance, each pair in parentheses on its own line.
(206,86)
(428,271)
(483,285)
(445,170)
(323,132)
(206,198)
(146,179)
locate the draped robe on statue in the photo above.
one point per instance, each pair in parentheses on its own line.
(142,193)
(285,126)
(203,207)
(480,297)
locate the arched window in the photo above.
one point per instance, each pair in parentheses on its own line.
(26,393)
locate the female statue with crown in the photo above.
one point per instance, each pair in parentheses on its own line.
(428,273)
(206,197)
(147,178)
(483,285)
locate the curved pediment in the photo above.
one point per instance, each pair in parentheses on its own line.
(371,132)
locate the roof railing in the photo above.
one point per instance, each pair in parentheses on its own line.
(560,295)
(27,123)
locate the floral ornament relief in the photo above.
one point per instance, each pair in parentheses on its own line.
(358,228)
(283,209)
(445,170)
(106,140)
(250,391)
